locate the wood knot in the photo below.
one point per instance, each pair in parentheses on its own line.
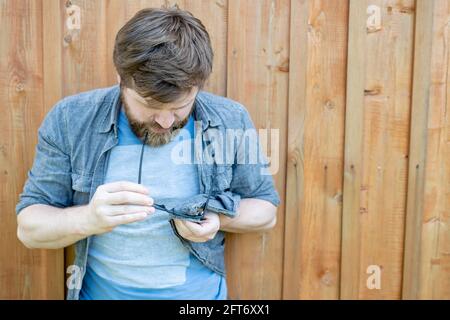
(284,66)
(294,157)
(68,38)
(338,197)
(329,105)
(372,92)
(20,87)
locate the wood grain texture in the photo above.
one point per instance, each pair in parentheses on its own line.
(427,248)
(258,65)
(435,262)
(315,153)
(417,149)
(351,233)
(24,274)
(84,50)
(376,147)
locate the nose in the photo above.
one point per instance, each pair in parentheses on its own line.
(165,119)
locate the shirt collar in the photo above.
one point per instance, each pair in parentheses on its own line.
(111,109)
(203,112)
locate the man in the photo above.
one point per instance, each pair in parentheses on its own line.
(109,177)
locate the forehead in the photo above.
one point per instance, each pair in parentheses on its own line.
(185,99)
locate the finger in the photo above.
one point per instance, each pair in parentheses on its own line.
(199,230)
(181,228)
(115,210)
(128,197)
(127,218)
(186,233)
(118,186)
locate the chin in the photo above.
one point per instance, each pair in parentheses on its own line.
(158,139)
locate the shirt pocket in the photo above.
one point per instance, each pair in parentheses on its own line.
(81,186)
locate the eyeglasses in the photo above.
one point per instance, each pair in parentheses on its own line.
(200,211)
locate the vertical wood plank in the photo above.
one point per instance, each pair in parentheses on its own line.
(315,154)
(435,268)
(24,273)
(84,50)
(427,248)
(258,65)
(52,47)
(418,146)
(351,233)
(377,136)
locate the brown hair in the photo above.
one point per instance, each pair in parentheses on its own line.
(162,53)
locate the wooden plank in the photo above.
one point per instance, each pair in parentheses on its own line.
(84,49)
(351,233)
(258,65)
(52,45)
(315,153)
(427,256)
(295,165)
(418,147)
(376,147)
(435,268)
(387,140)
(24,273)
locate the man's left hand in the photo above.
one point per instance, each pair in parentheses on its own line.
(201,231)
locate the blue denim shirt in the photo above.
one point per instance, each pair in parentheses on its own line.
(74,143)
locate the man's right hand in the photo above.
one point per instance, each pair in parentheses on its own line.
(117,203)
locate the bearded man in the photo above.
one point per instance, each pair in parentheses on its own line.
(106,177)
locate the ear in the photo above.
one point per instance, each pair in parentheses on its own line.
(118,79)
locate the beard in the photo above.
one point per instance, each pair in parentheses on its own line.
(154,139)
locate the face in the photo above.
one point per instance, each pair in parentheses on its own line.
(162,121)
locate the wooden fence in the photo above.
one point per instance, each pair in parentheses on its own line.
(358,90)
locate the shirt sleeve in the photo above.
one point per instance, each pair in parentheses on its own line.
(251,176)
(49,180)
